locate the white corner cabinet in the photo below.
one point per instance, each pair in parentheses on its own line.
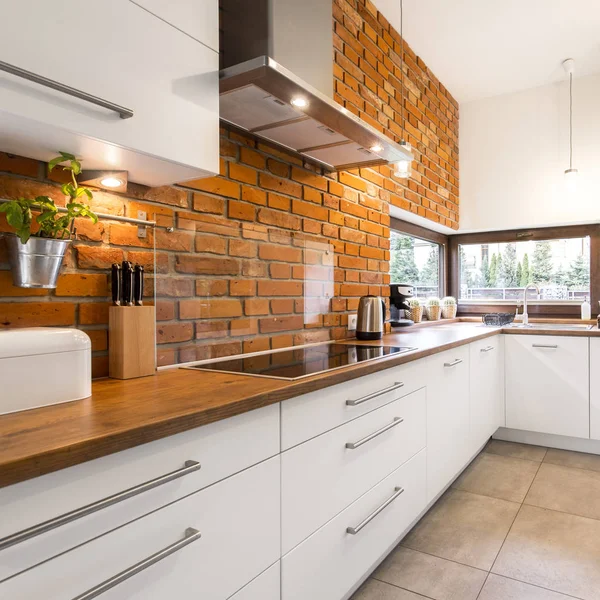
(547,384)
(297,500)
(136,57)
(595,388)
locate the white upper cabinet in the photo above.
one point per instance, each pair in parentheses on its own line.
(197,18)
(486,389)
(594,388)
(547,384)
(120,53)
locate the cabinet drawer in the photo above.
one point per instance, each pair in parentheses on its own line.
(238,525)
(332,561)
(324,475)
(307,416)
(267,586)
(221,448)
(547,384)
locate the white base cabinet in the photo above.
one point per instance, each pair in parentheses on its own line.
(331,562)
(547,384)
(267,586)
(486,389)
(448,443)
(595,388)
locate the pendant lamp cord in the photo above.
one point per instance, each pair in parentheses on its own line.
(401,66)
(570,120)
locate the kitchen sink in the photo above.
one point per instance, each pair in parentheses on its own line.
(557,326)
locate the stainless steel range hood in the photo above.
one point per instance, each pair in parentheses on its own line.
(261,81)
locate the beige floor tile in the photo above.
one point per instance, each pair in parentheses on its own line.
(378,590)
(430,576)
(500,588)
(498,476)
(574,491)
(464,527)
(515,450)
(578,460)
(553,550)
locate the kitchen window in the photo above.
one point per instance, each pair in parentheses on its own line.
(491,270)
(417,258)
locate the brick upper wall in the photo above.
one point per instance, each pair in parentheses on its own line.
(367,75)
(272,252)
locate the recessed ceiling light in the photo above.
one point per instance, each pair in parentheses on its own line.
(376,148)
(299,102)
(111,182)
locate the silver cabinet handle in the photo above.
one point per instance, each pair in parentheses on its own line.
(453,363)
(487,349)
(551,346)
(374,395)
(363,524)
(372,436)
(191,535)
(78,513)
(124,113)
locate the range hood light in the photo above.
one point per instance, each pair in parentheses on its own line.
(376,148)
(111,182)
(115,181)
(299,102)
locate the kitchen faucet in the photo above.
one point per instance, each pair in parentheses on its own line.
(525,314)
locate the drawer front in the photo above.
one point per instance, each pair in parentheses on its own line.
(329,564)
(547,384)
(267,586)
(238,523)
(221,448)
(323,476)
(310,415)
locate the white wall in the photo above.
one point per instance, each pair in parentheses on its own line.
(513,153)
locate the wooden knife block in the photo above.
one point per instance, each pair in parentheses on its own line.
(131,341)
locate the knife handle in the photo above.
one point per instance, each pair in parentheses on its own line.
(116,284)
(127,283)
(138,285)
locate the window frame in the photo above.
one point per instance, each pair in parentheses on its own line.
(540,309)
(427,235)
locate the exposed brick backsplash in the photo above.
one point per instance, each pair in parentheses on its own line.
(246,267)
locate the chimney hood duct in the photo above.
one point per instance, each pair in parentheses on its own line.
(276,82)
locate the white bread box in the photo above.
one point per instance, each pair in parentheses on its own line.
(43,365)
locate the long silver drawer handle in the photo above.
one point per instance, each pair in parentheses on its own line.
(355,445)
(552,346)
(453,363)
(396,386)
(363,524)
(78,513)
(487,348)
(124,113)
(191,535)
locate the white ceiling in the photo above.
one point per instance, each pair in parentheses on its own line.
(484,48)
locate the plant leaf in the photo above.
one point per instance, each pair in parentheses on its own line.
(55,161)
(67,156)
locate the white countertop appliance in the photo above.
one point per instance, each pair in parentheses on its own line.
(43,365)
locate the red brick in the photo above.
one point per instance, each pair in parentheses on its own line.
(240,210)
(82,285)
(209,309)
(244,327)
(36,314)
(242,173)
(242,287)
(219,186)
(208,204)
(276,324)
(242,248)
(254,195)
(97,257)
(211,244)
(282,306)
(256,306)
(280,271)
(177,241)
(212,287)
(205,265)
(279,288)
(167,333)
(175,287)
(18,165)
(278,219)
(252,158)
(284,253)
(310,210)
(279,185)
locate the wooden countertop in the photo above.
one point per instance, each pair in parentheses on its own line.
(123,414)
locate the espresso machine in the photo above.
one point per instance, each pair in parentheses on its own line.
(399,294)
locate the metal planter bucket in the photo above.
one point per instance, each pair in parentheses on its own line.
(35,264)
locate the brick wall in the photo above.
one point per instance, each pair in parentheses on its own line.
(367,73)
(272,252)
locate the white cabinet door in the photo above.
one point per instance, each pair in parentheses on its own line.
(547,384)
(595,388)
(323,476)
(486,389)
(124,55)
(329,564)
(238,525)
(197,18)
(448,445)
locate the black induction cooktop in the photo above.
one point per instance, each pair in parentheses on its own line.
(301,362)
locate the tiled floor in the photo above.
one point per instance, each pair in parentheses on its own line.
(521,523)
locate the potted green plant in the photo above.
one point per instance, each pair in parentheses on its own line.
(42,233)
(449,307)
(434,309)
(416,310)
